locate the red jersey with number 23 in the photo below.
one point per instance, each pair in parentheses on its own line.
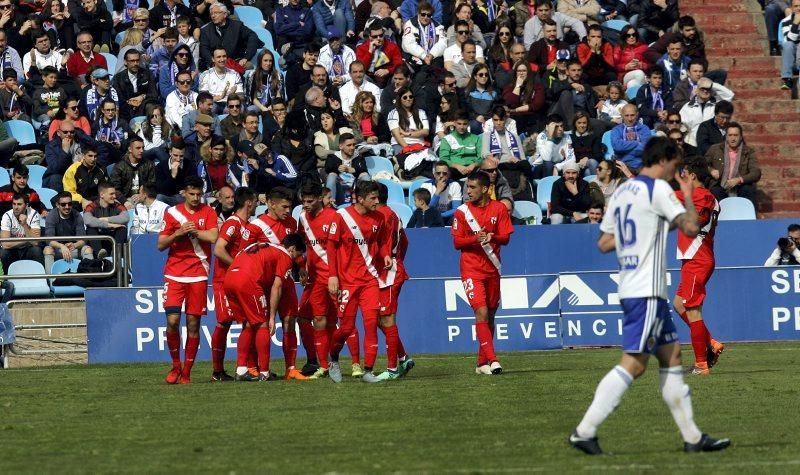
(468,220)
(315,233)
(188,259)
(236,233)
(700,247)
(362,242)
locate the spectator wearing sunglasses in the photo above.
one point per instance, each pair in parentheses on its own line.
(65,221)
(629,58)
(424,39)
(69,112)
(453,53)
(59,153)
(181,60)
(181,100)
(380,55)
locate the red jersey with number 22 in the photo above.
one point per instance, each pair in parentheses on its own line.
(235,232)
(468,220)
(700,247)
(315,233)
(361,246)
(188,259)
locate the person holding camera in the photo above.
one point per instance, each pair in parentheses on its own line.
(787,253)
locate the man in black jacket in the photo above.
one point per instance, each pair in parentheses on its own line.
(170,174)
(570,199)
(96,19)
(573,95)
(232,35)
(135,86)
(19,184)
(712,131)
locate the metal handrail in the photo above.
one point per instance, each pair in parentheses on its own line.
(47,239)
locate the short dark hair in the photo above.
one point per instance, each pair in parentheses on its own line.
(311,188)
(21,196)
(364,188)
(698,61)
(132,51)
(149,190)
(656,70)
(699,166)
(553,118)
(181,73)
(134,138)
(461,23)
(793,227)
(63,194)
(280,193)
(595,27)
(346,136)
(469,42)
(193,181)
(171,33)
(541,3)
(103,186)
(48,70)
(441,163)
(375,26)
(241,196)
(481,177)
(723,107)
(574,61)
(204,96)
(21,170)
(499,111)
(685,21)
(178,144)
(549,22)
(312,47)
(735,125)
(294,240)
(422,194)
(356,63)
(461,115)
(10,73)
(383,193)
(659,148)
(424,6)
(214,50)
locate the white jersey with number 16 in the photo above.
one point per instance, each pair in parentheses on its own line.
(638,215)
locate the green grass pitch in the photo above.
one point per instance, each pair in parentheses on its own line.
(441,419)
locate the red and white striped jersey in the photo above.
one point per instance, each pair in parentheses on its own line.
(702,245)
(188,259)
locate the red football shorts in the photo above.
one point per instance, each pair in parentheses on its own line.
(193,294)
(482,291)
(351,298)
(221,307)
(316,301)
(389,297)
(288,305)
(694,277)
(248,303)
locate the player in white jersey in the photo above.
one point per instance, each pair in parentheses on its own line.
(636,223)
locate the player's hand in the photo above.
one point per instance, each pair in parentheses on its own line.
(487,238)
(687,187)
(481,236)
(333,286)
(303,276)
(271,325)
(388,263)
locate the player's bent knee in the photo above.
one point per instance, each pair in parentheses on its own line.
(482,314)
(320,323)
(387,320)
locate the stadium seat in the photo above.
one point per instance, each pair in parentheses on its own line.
(396,194)
(35,175)
(414,186)
(616,25)
(403,211)
(736,208)
(120,36)
(29,287)
(379,164)
(631,92)
(135,121)
(250,16)
(111,62)
(296,212)
(4,178)
(544,188)
(110,169)
(264,35)
(46,196)
(589,178)
(62,267)
(526,210)
(609,148)
(261,209)
(22,131)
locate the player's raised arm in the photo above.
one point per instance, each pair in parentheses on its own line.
(687,222)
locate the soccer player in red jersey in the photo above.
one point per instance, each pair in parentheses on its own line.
(697,257)
(189,230)
(232,234)
(316,302)
(391,283)
(254,285)
(272,227)
(480,227)
(358,241)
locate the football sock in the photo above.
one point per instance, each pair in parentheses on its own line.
(290,349)
(392,337)
(606,398)
(678,397)
(370,340)
(353,346)
(307,336)
(699,338)
(485,339)
(252,354)
(321,347)
(192,344)
(684,317)
(401,350)
(262,347)
(174,345)
(219,342)
(244,347)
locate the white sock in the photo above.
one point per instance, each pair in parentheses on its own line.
(678,397)
(241,370)
(606,398)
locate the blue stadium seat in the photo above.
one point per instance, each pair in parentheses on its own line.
(616,25)
(261,209)
(62,267)
(250,16)
(264,35)
(136,120)
(414,185)
(110,169)
(296,212)
(120,36)
(22,131)
(35,175)
(29,287)
(378,164)
(527,209)
(544,188)
(403,211)
(736,208)
(631,92)
(111,62)
(609,148)
(589,178)
(4,178)
(396,194)
(46,196)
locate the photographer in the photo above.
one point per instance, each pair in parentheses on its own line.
(788,251)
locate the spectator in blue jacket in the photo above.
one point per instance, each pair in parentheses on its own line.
(341,19)
(294,25)
(424,216)
(629,138)
(180,60)
(60,152)
(272,170)
(408,10)
(446,194)
(653,99)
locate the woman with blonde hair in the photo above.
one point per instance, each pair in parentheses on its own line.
(369,127)
(132,40)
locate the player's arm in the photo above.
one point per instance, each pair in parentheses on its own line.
(221,251)
(332,246)
(463,238)
(386,243)
(208,235)
(171,233)
(606,243)
(504,230)
(687,222)
(274,300)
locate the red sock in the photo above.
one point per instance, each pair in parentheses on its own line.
(244,346)
(290,349)
(392,337)
(307,336)
(698,331)
(252,358)
(353,346)
(219,343)
(174,345)
(370,340)
(262,347)
(685,318)
(485,339)
(192,344)
(321,347)
(401,350)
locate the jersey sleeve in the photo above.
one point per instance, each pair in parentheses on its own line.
(665,203)
(170,225)
(211,219)
(504,226)
(283,268)
(607,225)
(335,229)
(228,230)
